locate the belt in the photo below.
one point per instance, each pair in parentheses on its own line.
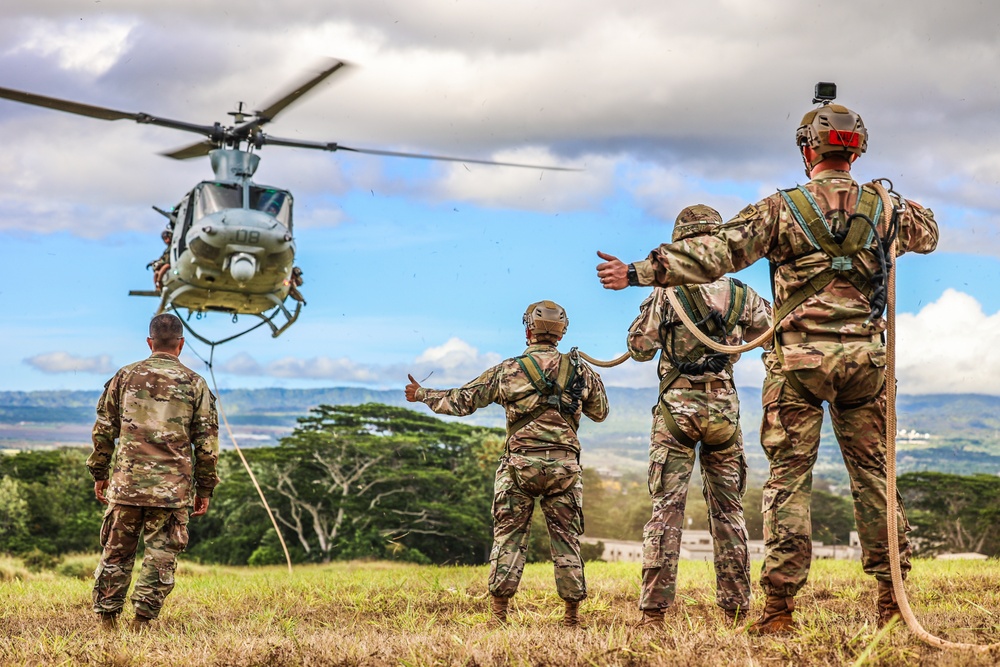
(795,337)
(711,385)
(551,454)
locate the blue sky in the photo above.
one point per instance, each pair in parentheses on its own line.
(414,266)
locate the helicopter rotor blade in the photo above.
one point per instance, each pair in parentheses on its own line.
(333,146)
(193,150)
(269,112)
(65,105)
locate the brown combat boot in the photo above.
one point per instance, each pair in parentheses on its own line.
(140,623)
(109,620)
(571,617)
(652,619)
(888,608)
(777,617)
(498,610)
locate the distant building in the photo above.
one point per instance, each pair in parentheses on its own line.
(971,555)
(697,545)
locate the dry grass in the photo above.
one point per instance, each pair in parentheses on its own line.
(377,613)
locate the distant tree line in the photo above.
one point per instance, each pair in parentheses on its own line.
(382,482)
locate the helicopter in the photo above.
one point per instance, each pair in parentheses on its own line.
(230,242)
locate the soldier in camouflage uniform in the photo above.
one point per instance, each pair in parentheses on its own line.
(160,412)
(698,403)
(544,394)
(829,295)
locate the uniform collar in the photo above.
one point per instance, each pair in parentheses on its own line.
(540,347)
(162,355)
(832,173)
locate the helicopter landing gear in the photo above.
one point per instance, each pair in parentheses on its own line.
(289,317)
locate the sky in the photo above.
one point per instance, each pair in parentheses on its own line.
(426,268)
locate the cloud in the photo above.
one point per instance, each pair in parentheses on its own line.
(452,363)
(686,90)
(949,347)
(64,362)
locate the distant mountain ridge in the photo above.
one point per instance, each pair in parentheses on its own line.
(946,432)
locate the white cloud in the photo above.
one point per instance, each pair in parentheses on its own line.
(92,46)
(949,347)
(64,362)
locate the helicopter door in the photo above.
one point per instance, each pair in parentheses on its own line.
(184,210)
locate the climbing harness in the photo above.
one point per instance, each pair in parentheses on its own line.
(552,391)
(232,438)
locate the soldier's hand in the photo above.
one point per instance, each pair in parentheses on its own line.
(613,272)
(200,506)
(411,389)
(100,486)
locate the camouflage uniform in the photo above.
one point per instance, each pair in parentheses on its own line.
(542,460)
(706,408)
(159,411)
(835,350)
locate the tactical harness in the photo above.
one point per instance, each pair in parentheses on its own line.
(562,394)
(713,324)
(859,235)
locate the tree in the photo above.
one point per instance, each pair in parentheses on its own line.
(952,513)
(375,480)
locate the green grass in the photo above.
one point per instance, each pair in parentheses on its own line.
(378,613)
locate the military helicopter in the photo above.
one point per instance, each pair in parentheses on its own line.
(230,243)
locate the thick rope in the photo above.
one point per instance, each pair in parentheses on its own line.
(253,478)
(698,333)
(606,364)
(890,443)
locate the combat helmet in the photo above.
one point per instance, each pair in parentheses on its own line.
(832,128)
(545,318)
(695,220)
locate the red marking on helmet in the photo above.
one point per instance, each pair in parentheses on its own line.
(845,138)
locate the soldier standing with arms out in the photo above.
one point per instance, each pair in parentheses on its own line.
(829,295)
(698,403)
(159,411)
(544,394)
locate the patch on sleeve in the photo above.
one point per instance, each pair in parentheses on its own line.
(749,212)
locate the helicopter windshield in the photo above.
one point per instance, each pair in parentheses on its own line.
(277,203)
(216,197)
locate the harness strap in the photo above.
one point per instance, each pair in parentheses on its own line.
(551,391)
(675,430)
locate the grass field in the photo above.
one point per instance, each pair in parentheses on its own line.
(379,613)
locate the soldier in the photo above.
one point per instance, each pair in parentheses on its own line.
(829,293)
(161,264)
(544,394)
(159,411)
(698,403)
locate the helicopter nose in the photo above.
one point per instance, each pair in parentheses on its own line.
(242,267)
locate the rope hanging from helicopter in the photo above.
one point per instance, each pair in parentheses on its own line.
(232,438)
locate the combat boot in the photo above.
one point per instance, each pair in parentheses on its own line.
(571,618)
(777,617)
(888,607)
(652,619)
(109,620)
(498,610)
(140,623)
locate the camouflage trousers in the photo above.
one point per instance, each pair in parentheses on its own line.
(165,534)
(559,484)
(849,376)
(711,417)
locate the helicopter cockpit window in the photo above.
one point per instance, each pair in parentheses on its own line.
(277,203)
(215,197)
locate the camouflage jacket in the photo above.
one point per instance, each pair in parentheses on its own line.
(159,411)
(507,385)
(768,229)
(644,334)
